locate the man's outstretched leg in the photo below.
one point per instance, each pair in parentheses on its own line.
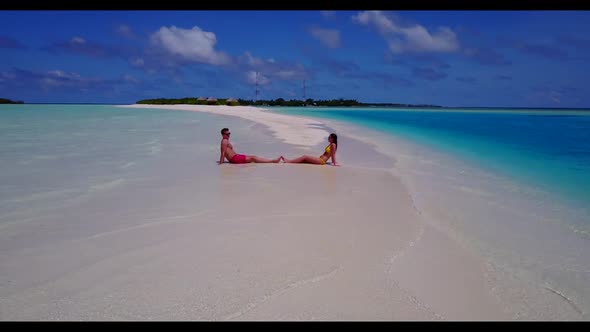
(256,159)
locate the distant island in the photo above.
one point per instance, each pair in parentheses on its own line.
(8,101)
(276,102)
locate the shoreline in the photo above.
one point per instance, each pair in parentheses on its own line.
(292,130)
(433,213)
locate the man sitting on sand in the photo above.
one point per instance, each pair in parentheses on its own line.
(227,151)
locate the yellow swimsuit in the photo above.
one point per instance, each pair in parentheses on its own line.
(328,152)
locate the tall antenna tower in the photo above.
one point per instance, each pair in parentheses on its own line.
(257,92)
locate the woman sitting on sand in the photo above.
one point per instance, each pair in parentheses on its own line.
(329,152)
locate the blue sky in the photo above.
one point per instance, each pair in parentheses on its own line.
(450,58)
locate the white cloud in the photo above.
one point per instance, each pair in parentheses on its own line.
(328,37)
(5,76)
(555,97)
(252,61)
(262,80)
(59,78)
(137,62)
(328,13)
(125,31)
(62,74)
(78,40)
(376,18)
(190,44)
(295,72)
(271,68)
(286,74)
(55,79)
(130,79)
(415,38)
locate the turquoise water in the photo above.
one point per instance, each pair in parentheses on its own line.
(58,151)
(547,149)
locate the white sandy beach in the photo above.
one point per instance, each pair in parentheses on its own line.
(248,242)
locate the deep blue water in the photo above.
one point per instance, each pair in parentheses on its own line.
(549,149)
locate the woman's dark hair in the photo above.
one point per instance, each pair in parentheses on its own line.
(223,130)
(334,138)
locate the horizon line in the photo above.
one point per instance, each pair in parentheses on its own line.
(426,106)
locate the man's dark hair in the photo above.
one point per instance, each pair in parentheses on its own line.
(224,130)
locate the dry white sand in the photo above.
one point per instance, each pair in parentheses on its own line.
(248,242)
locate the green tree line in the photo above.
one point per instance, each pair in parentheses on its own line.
(275,102)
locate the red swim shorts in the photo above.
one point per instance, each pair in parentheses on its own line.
(238,159)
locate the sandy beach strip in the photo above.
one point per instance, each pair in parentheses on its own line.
(198,241)
(289,129)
